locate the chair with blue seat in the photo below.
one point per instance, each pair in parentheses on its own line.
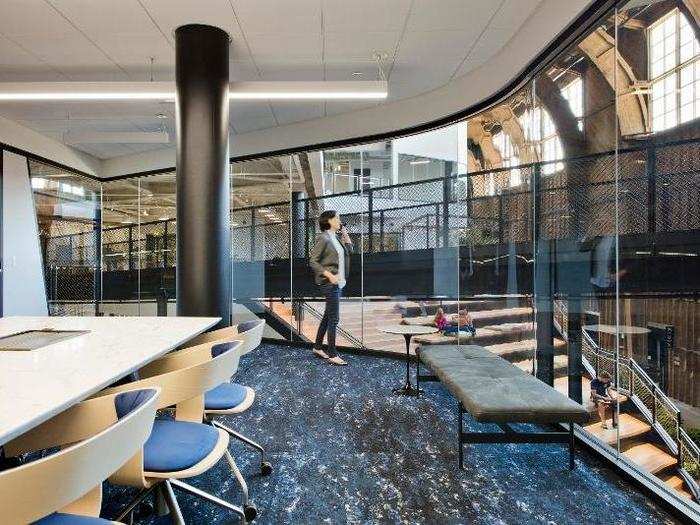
(184,447)
(98,437)
(231,398)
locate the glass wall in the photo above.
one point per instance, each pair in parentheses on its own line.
(559,229)
(138,246)
(68,210)
(658,183)
(261,242)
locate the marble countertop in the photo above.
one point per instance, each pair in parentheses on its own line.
(36,385)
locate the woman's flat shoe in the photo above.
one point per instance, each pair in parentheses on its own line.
(320,353)
(337,361)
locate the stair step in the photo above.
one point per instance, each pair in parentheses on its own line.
(560,365)
(412,308)
(630,427)
(674,481)
(521,350)
(649,456)
(677,483)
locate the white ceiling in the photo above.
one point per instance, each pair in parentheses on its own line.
(427,43)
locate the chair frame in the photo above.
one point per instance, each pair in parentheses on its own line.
(252,339)
(184,377)
(96,445)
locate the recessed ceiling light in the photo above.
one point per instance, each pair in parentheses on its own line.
(357,73)
(161,116)
(417,162)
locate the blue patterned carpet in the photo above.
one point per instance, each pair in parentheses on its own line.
(344,450)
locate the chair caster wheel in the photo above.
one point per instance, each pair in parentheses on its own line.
(266,468)
(145,509)
(250,512)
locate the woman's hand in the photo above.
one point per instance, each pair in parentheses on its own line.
(331,277)
(344,235)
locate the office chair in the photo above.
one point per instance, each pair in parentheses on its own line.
(232,398)
(98,437)
(183,447)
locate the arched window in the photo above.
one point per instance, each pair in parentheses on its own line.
(674,71)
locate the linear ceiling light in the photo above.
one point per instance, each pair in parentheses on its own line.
(10,91)
(68,91)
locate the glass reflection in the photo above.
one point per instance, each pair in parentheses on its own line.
(68,213)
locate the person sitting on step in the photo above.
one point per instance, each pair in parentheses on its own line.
(460,322)
(604,397)
(440,321)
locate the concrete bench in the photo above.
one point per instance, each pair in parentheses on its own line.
(494,391)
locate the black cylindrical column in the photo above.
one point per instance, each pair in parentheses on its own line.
(203,234)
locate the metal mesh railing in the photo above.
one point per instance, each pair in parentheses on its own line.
(652,189)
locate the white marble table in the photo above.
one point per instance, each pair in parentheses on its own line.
(36,385)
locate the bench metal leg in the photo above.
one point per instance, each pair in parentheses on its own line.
(417,374)
(460,411)
(572,463)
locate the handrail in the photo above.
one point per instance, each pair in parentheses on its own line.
(663,415)
(347,335)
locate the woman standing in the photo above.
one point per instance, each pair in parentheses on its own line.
(330,261)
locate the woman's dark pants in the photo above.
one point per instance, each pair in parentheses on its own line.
(329,322)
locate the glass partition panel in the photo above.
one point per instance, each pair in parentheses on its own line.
(121,257)
(409,252)
(157,244)
(350,206)
(68,209)
(495,235)
(261,243)
(574,126)
(658,185)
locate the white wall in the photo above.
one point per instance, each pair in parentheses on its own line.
(21,137)
(440,144)
(23,290)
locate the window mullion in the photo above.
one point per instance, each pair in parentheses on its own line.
(677,69)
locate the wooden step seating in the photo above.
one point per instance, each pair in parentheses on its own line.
(486,336)
(560,365)
(482,318)
(521,350)
(415,309)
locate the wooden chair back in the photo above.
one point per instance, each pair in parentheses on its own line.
(95,443)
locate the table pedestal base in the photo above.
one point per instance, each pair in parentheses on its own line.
(407,390)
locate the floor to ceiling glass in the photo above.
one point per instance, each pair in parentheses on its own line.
(68,213)
(496,228)
(334,182)
(658,183)
(261,242)
(573,126)
(138,246)
(557,229)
